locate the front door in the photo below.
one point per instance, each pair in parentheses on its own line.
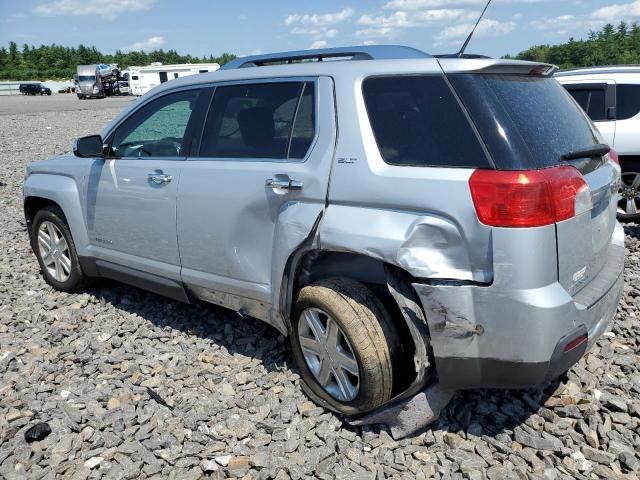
(131,196)
(255,189)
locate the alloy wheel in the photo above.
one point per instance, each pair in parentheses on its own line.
(328,354)
(54,251)
(629,196)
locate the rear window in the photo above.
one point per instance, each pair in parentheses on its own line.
(627,100)
(417,121)
(526,121)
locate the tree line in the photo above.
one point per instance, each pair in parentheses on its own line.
(607,46)
(48,62)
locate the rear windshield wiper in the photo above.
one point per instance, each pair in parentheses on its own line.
(593,151)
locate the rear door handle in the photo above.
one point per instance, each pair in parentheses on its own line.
(283,182)
(157,177)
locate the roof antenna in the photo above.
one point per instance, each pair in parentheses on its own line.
(466,42)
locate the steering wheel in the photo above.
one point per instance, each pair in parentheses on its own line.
(177,145)
(143,150)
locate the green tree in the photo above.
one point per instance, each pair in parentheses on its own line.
(13,52)
(608,46)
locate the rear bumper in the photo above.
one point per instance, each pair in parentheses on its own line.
(488,337)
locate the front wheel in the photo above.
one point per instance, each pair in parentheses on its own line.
(345,346)
(629,199)
(53,245)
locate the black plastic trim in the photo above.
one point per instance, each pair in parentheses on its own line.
(467,373)
(147,281)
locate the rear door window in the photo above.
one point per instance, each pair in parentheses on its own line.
(304,128)
(526,121)
(268,120)
(417,121)
(627,101)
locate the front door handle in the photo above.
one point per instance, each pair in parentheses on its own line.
(283,182)
(157,177)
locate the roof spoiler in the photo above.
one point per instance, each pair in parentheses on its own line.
(490,66)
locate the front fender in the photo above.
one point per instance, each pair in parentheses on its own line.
(63,191)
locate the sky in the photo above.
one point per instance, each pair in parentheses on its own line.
(244,27)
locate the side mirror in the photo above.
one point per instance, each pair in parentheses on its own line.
(88,147)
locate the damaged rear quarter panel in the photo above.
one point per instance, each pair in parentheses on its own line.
(420,219)
(519,317)
(427,245)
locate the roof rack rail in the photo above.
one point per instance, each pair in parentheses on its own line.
(371,52)
(599,69)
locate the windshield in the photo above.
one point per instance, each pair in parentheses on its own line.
(526,121)
(86,78)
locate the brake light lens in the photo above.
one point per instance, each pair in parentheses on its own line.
(528,198)
(613,155)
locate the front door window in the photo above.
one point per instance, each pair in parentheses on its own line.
(157,129)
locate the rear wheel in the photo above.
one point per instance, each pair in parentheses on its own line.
(629,200)
(345,345)
(56,252)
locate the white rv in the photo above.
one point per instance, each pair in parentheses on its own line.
(143,79)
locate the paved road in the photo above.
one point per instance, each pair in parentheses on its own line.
(16,104)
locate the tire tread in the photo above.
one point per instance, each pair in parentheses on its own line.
(369,328)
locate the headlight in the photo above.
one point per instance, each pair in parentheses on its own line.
(95,89)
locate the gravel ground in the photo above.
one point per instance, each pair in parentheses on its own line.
(17,104)
(134,385)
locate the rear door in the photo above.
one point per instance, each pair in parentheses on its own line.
(538,122)
(628,119)
(598,100)
(256,187)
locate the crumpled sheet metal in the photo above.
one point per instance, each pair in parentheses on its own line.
(424,246)
(412,415)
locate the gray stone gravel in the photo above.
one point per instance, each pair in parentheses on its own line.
(136,386)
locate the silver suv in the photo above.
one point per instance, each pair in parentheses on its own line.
(403,219)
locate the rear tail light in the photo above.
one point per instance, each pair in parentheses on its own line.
(528,198)
(613,155)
